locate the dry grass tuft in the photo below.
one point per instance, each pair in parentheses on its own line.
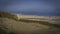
(8,15)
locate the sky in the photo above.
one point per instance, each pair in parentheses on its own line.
(31,7)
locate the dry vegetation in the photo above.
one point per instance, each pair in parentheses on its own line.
(40,22)
(7,15)
(23,26)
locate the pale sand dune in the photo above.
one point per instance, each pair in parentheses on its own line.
(11,25)
(27,28)
(50,19)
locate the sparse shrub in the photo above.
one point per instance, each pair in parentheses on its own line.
(2,31)
(8,15)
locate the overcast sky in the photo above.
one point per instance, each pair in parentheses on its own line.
(32,7)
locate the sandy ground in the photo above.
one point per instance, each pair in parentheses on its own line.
(27,28)
(50,19)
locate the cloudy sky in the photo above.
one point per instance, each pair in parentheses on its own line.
(32,7)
